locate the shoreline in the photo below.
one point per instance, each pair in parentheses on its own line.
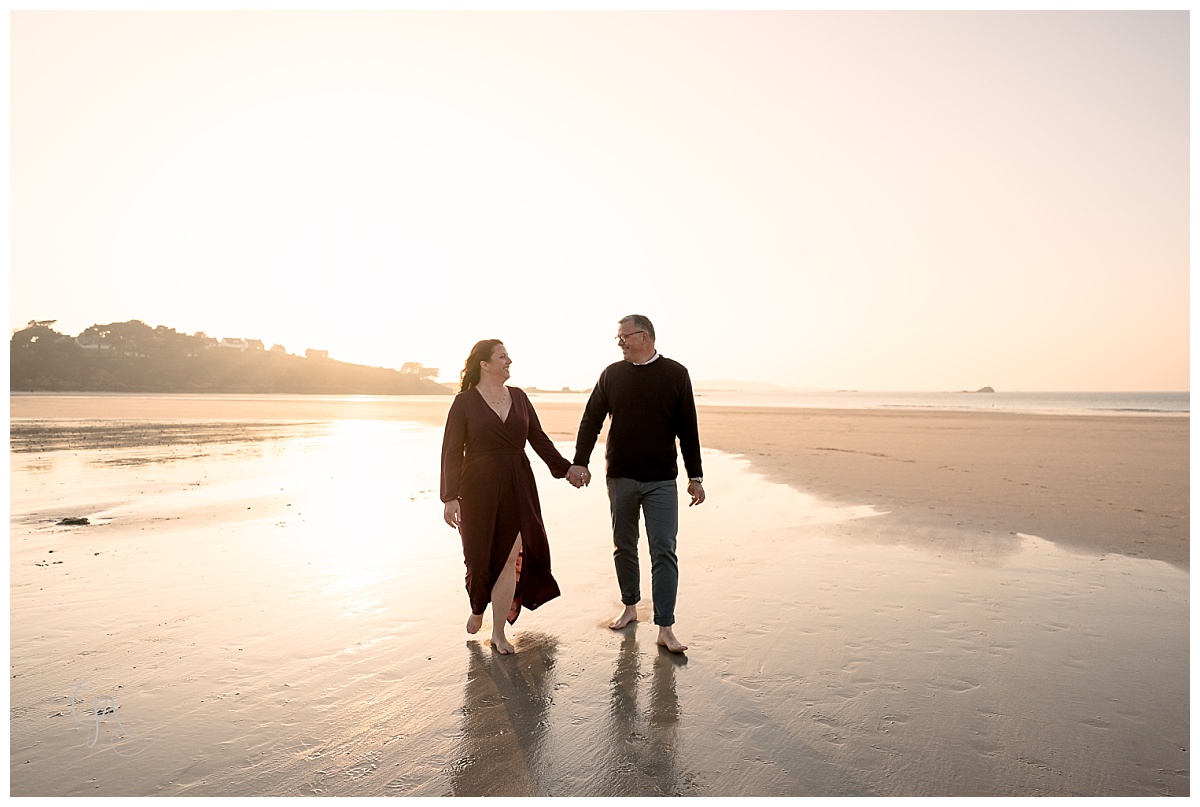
(1094,483)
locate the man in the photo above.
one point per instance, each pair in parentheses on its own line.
(649,398)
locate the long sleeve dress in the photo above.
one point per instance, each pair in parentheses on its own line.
(485,466)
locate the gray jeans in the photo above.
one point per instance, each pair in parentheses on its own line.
(659,503)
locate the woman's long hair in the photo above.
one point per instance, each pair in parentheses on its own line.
(470,372)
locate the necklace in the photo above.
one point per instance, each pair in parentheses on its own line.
(503,398)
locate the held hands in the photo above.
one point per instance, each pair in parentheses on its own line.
(453,514)
(579,476)
(697,492)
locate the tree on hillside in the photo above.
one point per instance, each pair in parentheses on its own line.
(37,332)
(419,370)
(133,357)
(40,353)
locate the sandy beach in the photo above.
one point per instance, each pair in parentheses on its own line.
(265,601)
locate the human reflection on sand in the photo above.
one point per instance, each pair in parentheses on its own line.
(509,746)
(506,719)
(642,737)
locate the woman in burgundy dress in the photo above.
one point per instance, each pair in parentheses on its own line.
(490,494)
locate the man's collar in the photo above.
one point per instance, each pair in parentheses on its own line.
(651,360)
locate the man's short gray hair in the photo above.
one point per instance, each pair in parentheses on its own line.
(639,321)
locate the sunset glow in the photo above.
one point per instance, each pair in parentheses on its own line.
(868,200)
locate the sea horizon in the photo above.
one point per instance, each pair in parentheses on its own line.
(1112,403)
(1044,402)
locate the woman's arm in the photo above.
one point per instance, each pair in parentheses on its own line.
(542,444)
(454,442)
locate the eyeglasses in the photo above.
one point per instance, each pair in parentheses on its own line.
(621,337)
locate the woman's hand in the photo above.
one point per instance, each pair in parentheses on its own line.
(453,514)
(578,476)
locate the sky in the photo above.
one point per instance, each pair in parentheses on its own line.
(848,200)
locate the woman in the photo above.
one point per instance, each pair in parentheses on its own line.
(490,494)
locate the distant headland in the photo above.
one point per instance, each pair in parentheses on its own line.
(133,357)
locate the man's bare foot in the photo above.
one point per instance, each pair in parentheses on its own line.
(666,638)
(474,623)
(501,645)
(625,617)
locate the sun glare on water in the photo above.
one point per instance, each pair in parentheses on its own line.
(366,504)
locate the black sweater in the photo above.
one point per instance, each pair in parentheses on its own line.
(650,404)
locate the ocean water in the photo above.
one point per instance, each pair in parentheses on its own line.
(1063,403)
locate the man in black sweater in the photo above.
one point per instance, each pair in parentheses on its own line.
(649,398)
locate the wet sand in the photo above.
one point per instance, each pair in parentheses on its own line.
(269,597)
(1096,483)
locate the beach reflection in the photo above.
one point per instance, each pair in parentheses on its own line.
(355,507)
(513,742)
(665,711)
(643,741)
(506,720)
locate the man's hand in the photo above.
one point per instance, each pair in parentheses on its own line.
(578,476)
(453,514)
(697,492)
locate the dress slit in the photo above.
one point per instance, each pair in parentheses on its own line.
(515,610)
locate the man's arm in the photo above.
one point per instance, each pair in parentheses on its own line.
(687,428)
(590,424)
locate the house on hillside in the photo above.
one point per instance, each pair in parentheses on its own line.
(278,349)
(242,344)
(204,340)
(89,341)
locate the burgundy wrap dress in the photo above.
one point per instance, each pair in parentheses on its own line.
(484,465)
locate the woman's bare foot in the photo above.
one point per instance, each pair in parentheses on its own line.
(666,638)
(624,618)
(474,623)
(501,645)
